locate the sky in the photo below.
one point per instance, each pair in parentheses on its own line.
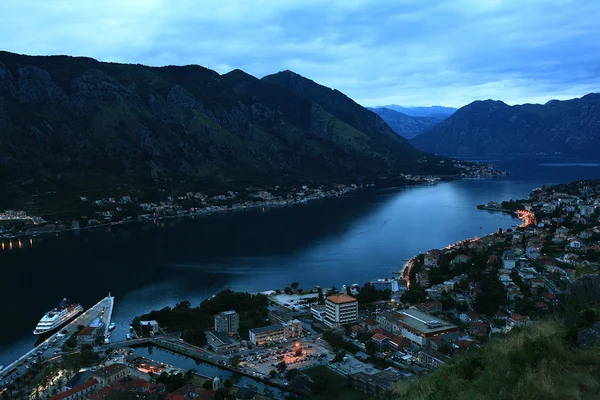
(407,52)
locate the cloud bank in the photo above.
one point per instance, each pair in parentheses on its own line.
(408,52)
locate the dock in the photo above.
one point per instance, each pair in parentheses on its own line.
(103,310)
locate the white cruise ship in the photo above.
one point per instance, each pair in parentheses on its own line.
(56,318)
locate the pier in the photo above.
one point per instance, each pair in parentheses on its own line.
(103,310)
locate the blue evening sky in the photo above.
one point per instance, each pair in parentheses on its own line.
(409,52)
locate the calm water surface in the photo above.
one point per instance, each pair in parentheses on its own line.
(338,241)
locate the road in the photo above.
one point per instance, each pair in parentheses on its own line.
(50,348)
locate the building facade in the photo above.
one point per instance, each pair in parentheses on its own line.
(227,322)
(340,309)
(420,327)
(275,333)
(111,373)
(318,312)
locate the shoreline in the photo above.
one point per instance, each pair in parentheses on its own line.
(214,210)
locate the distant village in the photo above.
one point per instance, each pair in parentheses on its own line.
(111,210)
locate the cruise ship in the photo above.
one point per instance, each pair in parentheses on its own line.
(58,317)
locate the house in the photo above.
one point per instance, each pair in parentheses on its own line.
(509,260)
(477,328)
(149,328)
(77,392)
(460,259)
(550,298)
(517,320)
(111,373)
(422,278)
(562,231)
(87,335)
(431,359)
(370,324)
(397,343)
(380,340)
(574,244)
(429,307)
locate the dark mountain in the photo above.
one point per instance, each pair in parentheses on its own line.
(437,112)
(495,128)
(405,125)
(79,124)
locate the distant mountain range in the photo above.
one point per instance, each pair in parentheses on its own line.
(495,128)
(405,125)
(82,125)
(437,112)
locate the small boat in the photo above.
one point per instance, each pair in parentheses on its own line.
(112,326)
(128,336)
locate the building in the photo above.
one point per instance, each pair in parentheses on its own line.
(429,307)
(340,309)
(517,320)
(318,312)
(477,328)
(419,327)
(509,260)
(227,322)
(149,328)
(220,341)
(275,333)
(380,340)
(386,320)
(77,392)
(375,384)
(111,373)
(385,284)
(87,335)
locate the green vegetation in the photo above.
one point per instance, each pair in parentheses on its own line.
(173,382)
(194,321)
(85,358)
(338,342)
(328,384)
(533,363)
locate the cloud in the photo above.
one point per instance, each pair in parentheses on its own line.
(409,52)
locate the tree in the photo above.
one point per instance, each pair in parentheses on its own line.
(234,361)
(339,356)
(282,366)
(287,290)
(291,374)
(295,285)
(348,291)
(348,329)
(228,383)
(414,295)
(371,348)
(321,297)
(273,373)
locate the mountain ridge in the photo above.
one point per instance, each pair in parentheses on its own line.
(405,125)
(492,127)
(78,123)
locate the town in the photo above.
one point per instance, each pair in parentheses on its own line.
(357,341)
(126,207)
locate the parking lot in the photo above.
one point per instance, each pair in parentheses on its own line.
(260,361)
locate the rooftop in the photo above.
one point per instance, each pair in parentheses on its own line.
(423,322)
(341,298)
(267,328)
(110,370)
(74,390)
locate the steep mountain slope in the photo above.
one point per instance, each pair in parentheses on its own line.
(354,124)
(493,128)
(81,123)
(405,125)
(438,112)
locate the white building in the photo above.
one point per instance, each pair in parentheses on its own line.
(509,260)
(340,309)
(318,312)
(385,284)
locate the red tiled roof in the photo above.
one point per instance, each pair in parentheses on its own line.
(76,389)
(519,317)
(341,298)
(132,384)
(102,394)
(379,337)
